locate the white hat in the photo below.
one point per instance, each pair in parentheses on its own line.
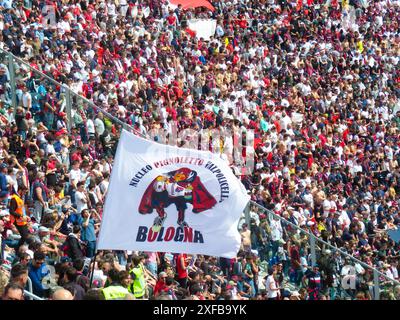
(43,229)
(4,213)
(30,252)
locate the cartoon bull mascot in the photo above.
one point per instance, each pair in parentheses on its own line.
(178,187)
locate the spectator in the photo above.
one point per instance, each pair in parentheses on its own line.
(160,285)
(71,284)
(18,216)
(40,193)
(138,287)
(271,286)
(19,274)
(13,291)
(313,278)
(62,294)
(115,291)
(73,246)
(317,84)
(181,268)
(88,232)
(37,271)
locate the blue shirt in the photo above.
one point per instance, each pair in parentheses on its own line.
(74,218)
(3,182)
(37,275)
(88,233)
(7,4)
(264,125)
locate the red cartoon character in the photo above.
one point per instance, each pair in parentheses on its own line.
(178,187)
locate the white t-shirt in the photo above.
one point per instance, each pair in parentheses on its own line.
(12,179)
(103,187)
(80,203)
(90,126)
(327,207)
(75,176)
(276,230)
(99,124)
(270,285)
(27,100)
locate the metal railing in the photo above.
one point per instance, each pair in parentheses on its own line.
(10,96)
(29,293)
(378,276)
(32,296)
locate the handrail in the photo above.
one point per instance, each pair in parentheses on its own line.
(325,243)
(125,125)
(33,296)
(67,89)
(30,286)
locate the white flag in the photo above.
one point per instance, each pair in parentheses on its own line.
(205,28)
(163,198)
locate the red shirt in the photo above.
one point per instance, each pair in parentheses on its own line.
(171,19)
(182,273)
(159,287)
(76,157)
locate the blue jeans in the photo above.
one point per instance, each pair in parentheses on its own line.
(90,249)
(253,288)
(121,258)
(152,267)
(298,277)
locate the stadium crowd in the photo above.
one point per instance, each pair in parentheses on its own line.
(317,81)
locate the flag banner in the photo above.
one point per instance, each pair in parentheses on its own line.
(204,28)
(163,198)
(186,4)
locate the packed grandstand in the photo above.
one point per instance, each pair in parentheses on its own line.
(316,81)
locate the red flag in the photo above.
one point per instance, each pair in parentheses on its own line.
(191,32)
(186,4)
(310,2)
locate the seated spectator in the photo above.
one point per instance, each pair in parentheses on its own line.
(62,294)
(13,291)
(71,284)
(37,271)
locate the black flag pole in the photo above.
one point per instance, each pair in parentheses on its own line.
(92,271)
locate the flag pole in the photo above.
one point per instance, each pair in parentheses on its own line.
(92,271)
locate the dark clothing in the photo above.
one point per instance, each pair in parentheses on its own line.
(370,229)
(35,185)
(182,282)
(74,248)
(76,290)
(24,232)
(83,281)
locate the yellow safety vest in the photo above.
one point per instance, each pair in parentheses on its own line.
(138,288)
(115,292)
